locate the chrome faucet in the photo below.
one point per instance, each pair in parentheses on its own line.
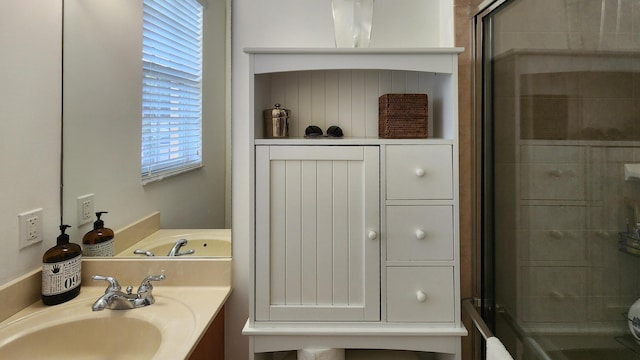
(115,299)
(175,250)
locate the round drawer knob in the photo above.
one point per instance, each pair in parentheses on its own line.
(372,235)
(420,234)
(419,172)
(555,173)
(558,295)
(556,234)
(421,296)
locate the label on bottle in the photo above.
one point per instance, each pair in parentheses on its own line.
(105,248)
(60,277)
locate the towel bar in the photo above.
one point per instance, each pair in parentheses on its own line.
(486,333)
(521,333)
(477,319)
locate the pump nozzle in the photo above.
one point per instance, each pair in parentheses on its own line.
(99,224)
(63,238)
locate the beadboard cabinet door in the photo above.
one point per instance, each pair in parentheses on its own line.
(317,233)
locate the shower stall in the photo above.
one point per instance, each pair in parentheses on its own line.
(558,114)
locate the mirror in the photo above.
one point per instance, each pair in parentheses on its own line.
(102,81)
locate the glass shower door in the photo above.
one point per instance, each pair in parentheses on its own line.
(561,119)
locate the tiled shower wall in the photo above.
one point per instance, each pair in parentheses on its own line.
(569,24)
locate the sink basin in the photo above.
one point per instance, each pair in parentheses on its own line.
(86,339)
(73,330)
(205,242)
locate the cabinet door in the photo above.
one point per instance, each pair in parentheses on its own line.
(317,223)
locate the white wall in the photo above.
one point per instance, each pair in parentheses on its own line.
(294,23)
(30,98)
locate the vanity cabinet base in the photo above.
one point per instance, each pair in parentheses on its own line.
(211,345)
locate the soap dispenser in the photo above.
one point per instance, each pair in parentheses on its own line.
(61,270)
(99,241)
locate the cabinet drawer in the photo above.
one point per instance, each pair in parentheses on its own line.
(553,173)
(555,233)
(419,232)
(419,172)
(420,294)
(555,294)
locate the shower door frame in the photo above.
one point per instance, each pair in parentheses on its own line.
(483,285)
(485,228)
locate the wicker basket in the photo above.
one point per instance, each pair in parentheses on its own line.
(402,116)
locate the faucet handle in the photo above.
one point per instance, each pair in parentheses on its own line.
(145,285)
(145,289)
(154,278)
(113,283)
(143,252)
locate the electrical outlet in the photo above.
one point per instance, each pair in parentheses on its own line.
(29,228)
(85,209)
(32,228)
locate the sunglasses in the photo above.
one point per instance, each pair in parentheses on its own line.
(314,131)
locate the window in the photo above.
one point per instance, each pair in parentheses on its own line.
(171,88)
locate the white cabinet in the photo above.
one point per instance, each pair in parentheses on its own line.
(355,240)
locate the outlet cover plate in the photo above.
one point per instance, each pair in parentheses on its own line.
(29,228)
(85,209)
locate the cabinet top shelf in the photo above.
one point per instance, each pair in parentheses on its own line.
(354,51)
(350,141)
(436,60)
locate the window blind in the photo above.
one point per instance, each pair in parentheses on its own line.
(171,88)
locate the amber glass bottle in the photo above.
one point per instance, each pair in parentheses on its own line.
(61,270)
(99,241)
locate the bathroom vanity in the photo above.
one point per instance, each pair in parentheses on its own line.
(355,240)
(185,321)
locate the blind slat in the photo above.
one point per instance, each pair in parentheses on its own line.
(171,88)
